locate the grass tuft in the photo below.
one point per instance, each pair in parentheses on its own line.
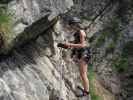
(92,86)
(5,25)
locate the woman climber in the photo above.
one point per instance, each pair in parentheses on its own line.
(80,51)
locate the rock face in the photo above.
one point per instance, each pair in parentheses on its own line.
(99,14)
(31,15)
(37,71)
(33,71)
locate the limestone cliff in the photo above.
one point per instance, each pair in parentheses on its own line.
(110,27)
(25,20)
(32,69)
(35,69)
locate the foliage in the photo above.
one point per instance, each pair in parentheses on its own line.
(111,31)
(4,22)
(101,39)
(128,49)
(4,1)
(122,62)
(5,25)
(111,47)
(114,28)
(4,19)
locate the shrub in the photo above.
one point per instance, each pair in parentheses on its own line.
(122,62)
(111,47)
(128,49)
(101,39)
(4,19)
(112,30)
(4,1)
(5,26)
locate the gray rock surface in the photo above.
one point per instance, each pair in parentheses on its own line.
(103,11)
(31,18)
(37,71)
(33,71)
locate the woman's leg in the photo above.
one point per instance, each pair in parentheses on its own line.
(83,73)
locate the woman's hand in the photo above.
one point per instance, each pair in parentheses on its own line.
(65,46)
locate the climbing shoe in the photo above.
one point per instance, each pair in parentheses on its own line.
(84,93)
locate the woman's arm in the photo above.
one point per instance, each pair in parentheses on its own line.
(82,41)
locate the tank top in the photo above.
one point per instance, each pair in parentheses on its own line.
(77,37)
(78,51)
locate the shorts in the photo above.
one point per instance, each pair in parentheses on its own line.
(85,53)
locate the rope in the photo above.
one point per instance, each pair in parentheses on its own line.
(61,74)
(100,14)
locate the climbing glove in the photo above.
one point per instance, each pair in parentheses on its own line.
(62,45)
